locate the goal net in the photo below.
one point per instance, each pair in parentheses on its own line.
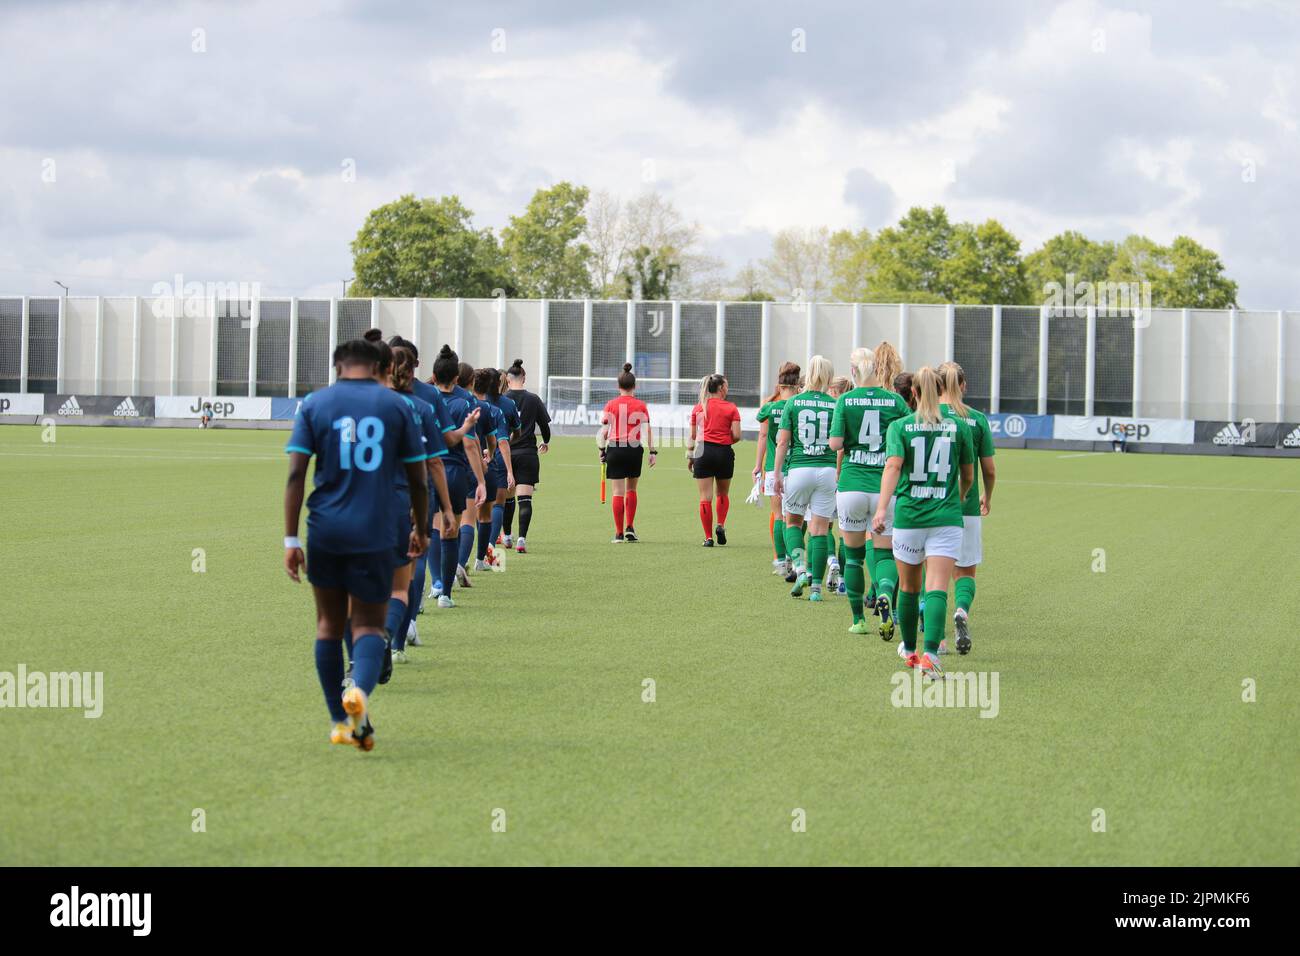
(575,401)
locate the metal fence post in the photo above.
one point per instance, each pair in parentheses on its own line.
(1042,359)
(333,335)
(1232,364)
(586,351)
(1090,364)
(675,359)
(765,349)
(254,322)
(720,338)
(995,362)
(292,390)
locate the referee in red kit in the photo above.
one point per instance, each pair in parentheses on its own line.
(715,427)
(624,436)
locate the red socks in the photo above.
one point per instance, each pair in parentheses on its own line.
(618,514)
(631,509)
(706,517)
(724,503)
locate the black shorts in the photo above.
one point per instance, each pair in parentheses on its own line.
(715,461)
(623,461)
(526,465)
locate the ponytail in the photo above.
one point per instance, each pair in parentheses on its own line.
(709,386)
(953,379)
(820,372)
(927,386)
(862,366)
(786,377)
(887,365)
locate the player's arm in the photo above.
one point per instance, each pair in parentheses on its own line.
(475,455)
(967,461)
(837,428)
(735,428)
(295,490)
(602,435)
(415,472)
(888,485)
(438,475)
(690,443)
(778,465)
(650,442)
(544,426)
(762,445)
(989,474)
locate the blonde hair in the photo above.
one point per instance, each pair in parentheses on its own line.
(820,373)
(839,386)
(887,365)
(928,387)
(709,385)
(953,379)
(862,365)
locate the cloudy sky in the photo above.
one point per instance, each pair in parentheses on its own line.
(143,139)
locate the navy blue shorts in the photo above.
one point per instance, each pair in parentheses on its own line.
(367,577)
(457,487)
(498,478)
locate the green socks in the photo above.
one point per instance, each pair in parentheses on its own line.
(778,539)
(817,552)
(794,544)
(906,613)
(936,619)
(884,575)
(964,592)
(855,581)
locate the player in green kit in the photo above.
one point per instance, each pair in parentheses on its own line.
(862,419)
(930,463)
(974,505)
(769,421)
(803,442)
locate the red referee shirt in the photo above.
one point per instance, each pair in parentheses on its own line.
(625,415)
(717,424)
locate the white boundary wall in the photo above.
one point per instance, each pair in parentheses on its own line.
(1196,364)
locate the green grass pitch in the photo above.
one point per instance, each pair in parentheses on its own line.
(1120,691)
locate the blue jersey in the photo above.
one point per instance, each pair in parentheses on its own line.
(434,444)
(435,398)
(362,436)
(511,412)
(458,406)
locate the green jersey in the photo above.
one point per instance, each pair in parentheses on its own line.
(930,483)
(771,413)
(862,418)
(808,418)
(982,440)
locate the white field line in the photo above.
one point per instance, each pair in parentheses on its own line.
(1082,454)
(1124,484)
(57,453)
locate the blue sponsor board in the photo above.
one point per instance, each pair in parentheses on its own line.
(284,409)
(1012,425)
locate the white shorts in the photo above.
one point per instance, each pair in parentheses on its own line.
(857,508)
(914,545)
(972,543)
(810,489)
(769,484)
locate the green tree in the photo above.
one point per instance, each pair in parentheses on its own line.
(425,247)
(543,247)
(909,257)
(984,266)
(1068,254)
(1195,278)
(850,265)
(747,286)
(650,273)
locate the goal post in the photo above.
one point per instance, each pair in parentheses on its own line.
(575,401)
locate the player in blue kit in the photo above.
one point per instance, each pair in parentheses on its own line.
(398,376)
(487,441)
(513,422)
(453,434)
(464,462)
(362,436)
(500,474)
